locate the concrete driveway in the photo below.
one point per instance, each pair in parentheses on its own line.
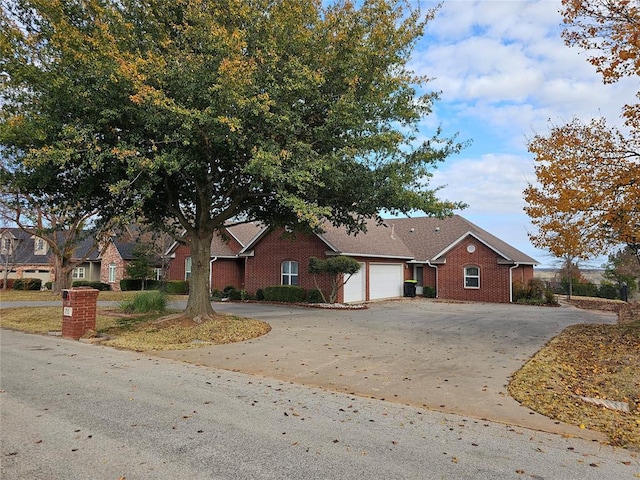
(452,357)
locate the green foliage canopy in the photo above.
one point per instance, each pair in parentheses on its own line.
(201,112)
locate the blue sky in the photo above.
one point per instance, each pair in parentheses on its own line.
(505,73)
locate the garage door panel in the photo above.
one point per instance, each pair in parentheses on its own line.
(385,280)
(355,288)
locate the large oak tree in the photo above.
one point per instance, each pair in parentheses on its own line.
(200,112)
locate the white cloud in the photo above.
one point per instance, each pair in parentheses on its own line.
(491,184)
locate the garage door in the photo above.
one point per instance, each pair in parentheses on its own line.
(354,289)
(385,280)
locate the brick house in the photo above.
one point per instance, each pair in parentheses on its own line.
(119,250)
(456,258)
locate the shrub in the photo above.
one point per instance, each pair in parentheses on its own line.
(260,294)
(27,284)
(130,284)
(609,290)
(97,285)
(145,302)
(314,296)
(47,285)
(177,287)
(533,292)
(285,293)
(10,282)
(428,292)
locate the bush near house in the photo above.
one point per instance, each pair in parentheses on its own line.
(533,292)
(285,293)
(176,287)
(10,282)
(428,292)
(27,284)
(103,287)
(314,296)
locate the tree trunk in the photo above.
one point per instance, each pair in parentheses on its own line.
(62,270)
(199,304)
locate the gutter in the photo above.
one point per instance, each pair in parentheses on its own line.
(210,274)
(511,269)
(437,286)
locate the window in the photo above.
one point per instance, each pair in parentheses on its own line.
(40,247)
(78,273)
(187,268)
(112,273)
(6,246)
(289,273)
(157,273)
(472,277)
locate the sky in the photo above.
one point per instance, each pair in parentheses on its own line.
(505,75)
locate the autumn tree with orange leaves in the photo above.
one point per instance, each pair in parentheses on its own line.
(587,195)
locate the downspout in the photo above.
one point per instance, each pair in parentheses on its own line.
(211,274)
(437,286)
(511,269)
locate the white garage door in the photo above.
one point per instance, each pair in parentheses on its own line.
(354,289)
(385,280)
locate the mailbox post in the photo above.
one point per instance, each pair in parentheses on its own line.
(79,306)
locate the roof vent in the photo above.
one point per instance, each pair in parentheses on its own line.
(437,229)
(412,230)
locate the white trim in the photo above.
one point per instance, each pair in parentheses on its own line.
(453,244)
(465,276)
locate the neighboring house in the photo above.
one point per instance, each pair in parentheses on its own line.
(24,255)
(458,259)
(119,251)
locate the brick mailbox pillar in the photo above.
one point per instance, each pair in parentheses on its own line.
(79,306)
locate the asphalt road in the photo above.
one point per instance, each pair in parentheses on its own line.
(69,410)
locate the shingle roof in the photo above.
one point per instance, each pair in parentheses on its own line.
(420,239)
(377,241)
(24,251)
(428,237)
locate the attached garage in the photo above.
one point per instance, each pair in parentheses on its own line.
(385,280)
(355,290)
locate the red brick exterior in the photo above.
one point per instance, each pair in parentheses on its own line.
(83,304)
(263,268)
(175,270)
(494,277)
(109,256)
(227,272)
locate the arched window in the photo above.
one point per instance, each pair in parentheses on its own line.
(472,277)
(289,271)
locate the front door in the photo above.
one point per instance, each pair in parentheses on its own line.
(418,275)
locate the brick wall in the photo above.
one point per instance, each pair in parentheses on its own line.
(264,268)
(494,278)
(175,269)
(227,271)
(111,255)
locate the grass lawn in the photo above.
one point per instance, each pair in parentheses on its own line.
(593,361)
(139,332)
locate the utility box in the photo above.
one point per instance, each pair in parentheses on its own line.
(79,308)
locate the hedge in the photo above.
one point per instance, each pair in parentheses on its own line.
(285,293)
(176,287)
(314,296)
(27,284)
(97,285)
